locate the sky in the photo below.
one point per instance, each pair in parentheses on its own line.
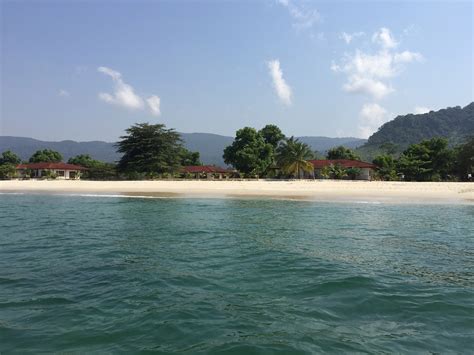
(87,70)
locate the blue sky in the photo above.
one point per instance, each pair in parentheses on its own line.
(87,70)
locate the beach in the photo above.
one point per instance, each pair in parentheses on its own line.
(319,190)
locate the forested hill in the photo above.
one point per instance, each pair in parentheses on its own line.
(454,123)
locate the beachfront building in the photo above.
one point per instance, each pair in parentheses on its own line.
(206,172)
(45,170)
(366,169)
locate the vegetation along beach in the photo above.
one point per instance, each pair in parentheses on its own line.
(236,177)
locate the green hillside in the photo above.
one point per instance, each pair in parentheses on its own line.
(454,123)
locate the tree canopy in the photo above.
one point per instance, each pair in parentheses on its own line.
(8,157)
(151,148)
(96,169)
(189,158)
(430,160)
(249,153)
(46,156)
(465,159)
(293,156)
(272,135)
(342,152)
(387,167)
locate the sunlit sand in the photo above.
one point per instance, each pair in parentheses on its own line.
(323,190)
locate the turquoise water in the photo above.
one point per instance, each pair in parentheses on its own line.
(105,274)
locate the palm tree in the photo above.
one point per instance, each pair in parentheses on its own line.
(293,156)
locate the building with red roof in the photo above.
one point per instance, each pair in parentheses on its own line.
(366,169)
(60,170)
(206,171)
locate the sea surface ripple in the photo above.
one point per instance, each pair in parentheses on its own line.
(91,274)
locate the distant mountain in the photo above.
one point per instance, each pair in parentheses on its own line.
(25,147)
(454,123)
(323,144)
(210,146)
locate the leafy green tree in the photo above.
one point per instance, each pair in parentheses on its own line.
(96,169)
(465,159)
(84,160)
(387,167)
(272,135)
(8,157)
(46,156)
(249,153)
(293,156)
(337,172)
(149,149)
(342,152)
(353,172)
(325,172)
(7,171)
(430,160)
(189,158)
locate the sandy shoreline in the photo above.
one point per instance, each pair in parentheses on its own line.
(323,190)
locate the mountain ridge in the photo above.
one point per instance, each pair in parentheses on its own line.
(454,123)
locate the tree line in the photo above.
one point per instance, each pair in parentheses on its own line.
(429,160)
(153,151)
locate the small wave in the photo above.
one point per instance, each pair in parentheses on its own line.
(369,202)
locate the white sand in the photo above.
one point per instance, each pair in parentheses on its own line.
(323,190)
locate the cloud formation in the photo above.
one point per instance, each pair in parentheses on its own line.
(371,117)
(153,103)
(348,37)
(304,17)
(368,72)
(281,87)
(384,38)
(124,94)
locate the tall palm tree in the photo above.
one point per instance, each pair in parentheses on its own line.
(293,156)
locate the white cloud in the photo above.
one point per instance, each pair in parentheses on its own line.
(304,17)
(348,37)
(407,57)
(359,84)
(420,110)
(281,87)
(384,38)
(64,93)
(154,104)
(371,117)
(368,72)
(124,94)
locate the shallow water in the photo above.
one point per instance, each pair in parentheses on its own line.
(85,274)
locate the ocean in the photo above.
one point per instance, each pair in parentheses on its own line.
(244,276)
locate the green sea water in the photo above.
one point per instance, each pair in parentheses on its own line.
(113,274)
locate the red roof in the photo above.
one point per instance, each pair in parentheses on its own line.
(345,163)
(194,169)
(55,166)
